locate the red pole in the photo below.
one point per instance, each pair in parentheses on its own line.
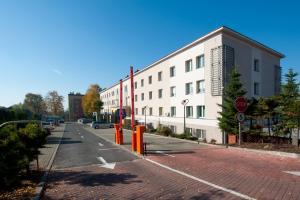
(121,103)
(133,135)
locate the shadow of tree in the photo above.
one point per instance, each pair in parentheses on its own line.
(211,194)
(64,140)
(90,179)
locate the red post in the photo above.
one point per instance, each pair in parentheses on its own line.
(133,135)
(121,111)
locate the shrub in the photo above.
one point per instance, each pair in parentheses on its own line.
(165,131)
(12,156)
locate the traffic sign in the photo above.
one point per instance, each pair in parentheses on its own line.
(94,113)
(241,104)
(123,113)
(240,117)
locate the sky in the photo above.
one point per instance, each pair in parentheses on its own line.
(66,45)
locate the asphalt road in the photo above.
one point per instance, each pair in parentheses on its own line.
(79,147)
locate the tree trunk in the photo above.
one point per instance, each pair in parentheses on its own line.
(37,163)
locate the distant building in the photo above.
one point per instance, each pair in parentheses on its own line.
(75,106)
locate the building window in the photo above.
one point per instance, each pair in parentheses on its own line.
(200,86)
(256,65)
(159,76)
(125,89)
(142,82)
(135,98)
(188,130)
(200,133)
(143,111)
(150,95)
(135,85)
(160,93)
(136,111)
(200,111)
(172,71)
(172,91)
(188,88)
(160,111)
(142,96)
(256,88)
(188,65)
(189,111)
(150,111)
(199,61)
(150,80)
(173,111)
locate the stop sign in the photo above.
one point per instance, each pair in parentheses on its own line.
(241,104)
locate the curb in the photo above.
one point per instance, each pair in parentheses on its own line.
(42,183)
(274,153)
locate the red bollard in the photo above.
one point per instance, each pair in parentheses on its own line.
(139,139)
(121,136)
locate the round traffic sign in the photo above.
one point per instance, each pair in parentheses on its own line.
(240,104)
(240,117)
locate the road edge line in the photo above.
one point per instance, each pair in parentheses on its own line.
(201,180)
(41,186)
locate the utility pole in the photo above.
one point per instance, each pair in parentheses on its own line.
(184,103)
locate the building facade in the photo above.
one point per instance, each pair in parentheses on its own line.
(75,106)
(198,72)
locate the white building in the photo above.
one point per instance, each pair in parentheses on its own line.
(197,72)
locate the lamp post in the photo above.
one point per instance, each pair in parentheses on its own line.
(184,103)
(145,113)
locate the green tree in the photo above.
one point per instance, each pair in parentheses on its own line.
(268,109)
(35,104)
(54,103)
(233,89)
(289,96)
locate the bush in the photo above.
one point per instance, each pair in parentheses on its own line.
(165,131)
(18,147)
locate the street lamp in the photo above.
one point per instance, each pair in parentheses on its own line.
(184,103)
(145,117)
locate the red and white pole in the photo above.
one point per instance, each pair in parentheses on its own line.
(133,136)
(121,111)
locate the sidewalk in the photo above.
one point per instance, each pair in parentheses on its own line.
(49,148)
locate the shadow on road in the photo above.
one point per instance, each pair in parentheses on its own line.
(211,194)
(64,140)
(90,179)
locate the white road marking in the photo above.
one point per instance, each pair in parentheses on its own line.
(202,181)
(161,152)
(107,149)
(100,144)
(82,137)
(297,173)
(105,164)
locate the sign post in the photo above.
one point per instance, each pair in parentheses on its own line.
(133,135)
(121,111)
(241,106)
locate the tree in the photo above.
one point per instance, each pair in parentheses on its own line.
(233,89)
(267,108)
(289,96)
(54,103)
(35,104)
(91,100)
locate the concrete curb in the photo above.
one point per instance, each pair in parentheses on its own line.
(274,153)
(42,183)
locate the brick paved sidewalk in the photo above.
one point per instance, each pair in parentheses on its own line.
(49,148)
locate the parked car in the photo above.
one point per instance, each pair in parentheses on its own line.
(97,125)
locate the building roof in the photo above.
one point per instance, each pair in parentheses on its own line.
(222,29)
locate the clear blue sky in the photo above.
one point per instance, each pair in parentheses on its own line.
(67,45)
